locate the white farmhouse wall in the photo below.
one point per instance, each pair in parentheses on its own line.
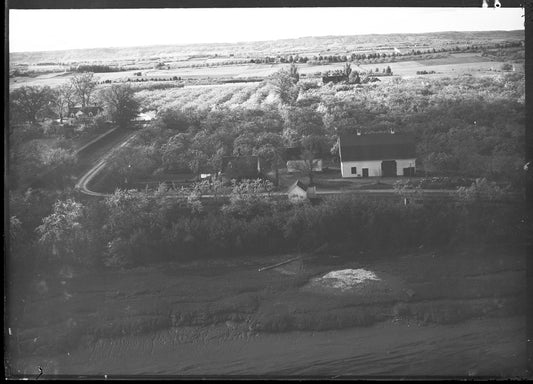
(298,165)
(404,163)
(374,167)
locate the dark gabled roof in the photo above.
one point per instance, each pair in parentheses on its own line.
(297,183)
(295,153)
(241,165)
(376,146)
(91,108)
(334,78)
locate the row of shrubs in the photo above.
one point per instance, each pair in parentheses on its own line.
(162,228)
(131,228)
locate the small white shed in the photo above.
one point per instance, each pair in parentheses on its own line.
(298,191)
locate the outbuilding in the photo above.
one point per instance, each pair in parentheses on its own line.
(377,154)
(89,111)
(295,162)
(241,167)
(298,191)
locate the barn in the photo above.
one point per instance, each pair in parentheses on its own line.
(377,154)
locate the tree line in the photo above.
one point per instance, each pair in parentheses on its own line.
(132,228)
(31,103)
(296,58)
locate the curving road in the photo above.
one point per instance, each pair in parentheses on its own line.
(85,179)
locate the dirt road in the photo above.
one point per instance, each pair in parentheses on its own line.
(103,154)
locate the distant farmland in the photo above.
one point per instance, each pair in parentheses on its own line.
(454,63)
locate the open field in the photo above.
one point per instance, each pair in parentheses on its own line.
(453,64)
(85,323)
(307,45)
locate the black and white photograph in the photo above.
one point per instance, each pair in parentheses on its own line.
(289,192)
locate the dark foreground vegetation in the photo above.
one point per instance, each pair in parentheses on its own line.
(133,228)
(143,270)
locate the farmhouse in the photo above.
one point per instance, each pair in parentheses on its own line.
(145,117)
(241,167)
(377,154)
(295,162)
(90,111)
(298,191)
(334,78)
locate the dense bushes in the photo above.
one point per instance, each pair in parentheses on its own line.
(133,228)
(139,230)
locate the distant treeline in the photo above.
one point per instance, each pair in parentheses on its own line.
(95,68)
(247,80)
(326,59)
(145,79)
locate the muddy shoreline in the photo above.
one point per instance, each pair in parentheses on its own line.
(448,313)
(479,347)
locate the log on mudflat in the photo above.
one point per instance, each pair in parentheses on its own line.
(279,264)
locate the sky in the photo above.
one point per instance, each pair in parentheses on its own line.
(47,30)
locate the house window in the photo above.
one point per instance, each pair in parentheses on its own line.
(354,170)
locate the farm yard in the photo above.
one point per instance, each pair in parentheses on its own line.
(172,259)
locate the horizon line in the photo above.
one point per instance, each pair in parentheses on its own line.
(259,41)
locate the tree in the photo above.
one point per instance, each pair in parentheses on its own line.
(174,152)
(197,160)
(354,78)
(30,102)
(507,67)
(63,231)
(172,119)
(132,227)
(408,193)
(249,198)
(480,189)
(120,103)
(294,73)
(244,144)
(64,99)
(305,128)
(347,70)
(284,86)
(388,71)
(84,85)
(60,164)
(129,162)
(269,146)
